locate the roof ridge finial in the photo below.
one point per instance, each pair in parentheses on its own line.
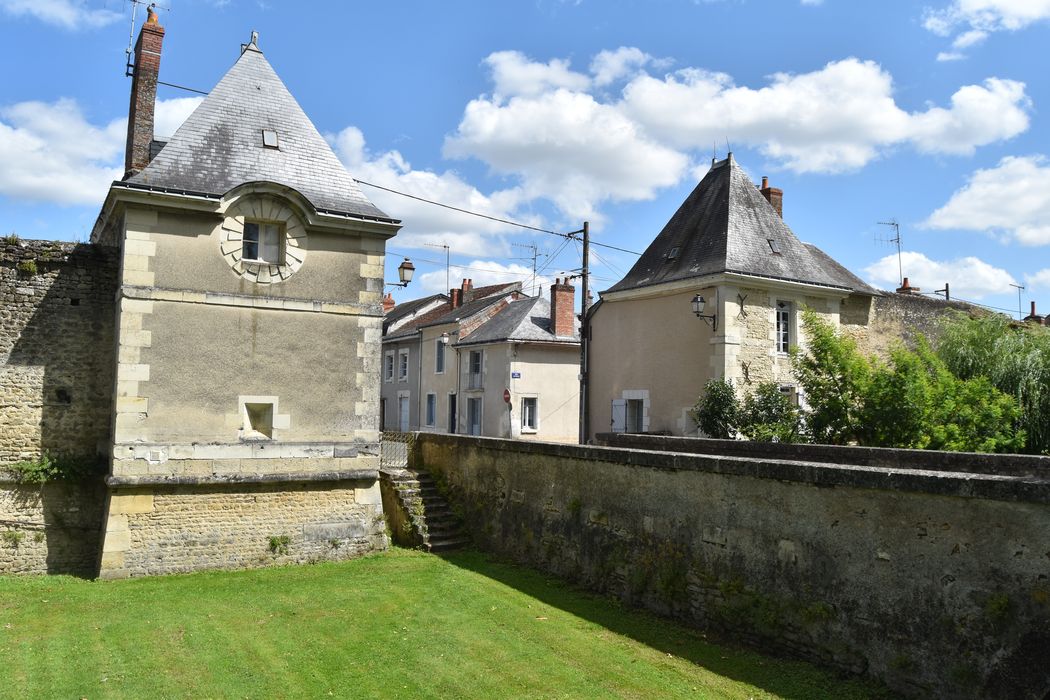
(253,44)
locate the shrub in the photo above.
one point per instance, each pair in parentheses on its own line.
(27,267)
(51,468)
(716,411)
(768,415)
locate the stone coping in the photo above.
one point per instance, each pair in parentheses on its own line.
(939,482)
(119,482)
(891,458)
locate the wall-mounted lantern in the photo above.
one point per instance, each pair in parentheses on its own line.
(404,273)
(698,308)
(444,338)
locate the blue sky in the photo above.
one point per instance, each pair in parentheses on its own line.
(552,113)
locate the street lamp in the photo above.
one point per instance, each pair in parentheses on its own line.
(698,308)
(404,273)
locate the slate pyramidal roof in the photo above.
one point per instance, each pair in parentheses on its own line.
(726,226)
(220,146)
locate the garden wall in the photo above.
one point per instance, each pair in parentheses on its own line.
(56,348)
(934,582)
(51,529)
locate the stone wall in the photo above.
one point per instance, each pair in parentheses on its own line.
(895,318)
(52,529)
(56,348)
(936,583)
(189,527)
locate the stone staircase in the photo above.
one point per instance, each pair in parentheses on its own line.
(432,518)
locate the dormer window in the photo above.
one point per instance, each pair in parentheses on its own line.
(262,243)
(270,139)
(774,247)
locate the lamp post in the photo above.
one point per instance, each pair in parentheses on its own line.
(698,308)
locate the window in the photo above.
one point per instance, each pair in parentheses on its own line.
(258,421)
(475,369)
(262,243)
(452,414)
(270,139)
(774,247)
(474,416)
(529,421)
(783,336)
(439,357)
(402,365)
(431,409)
(388,366)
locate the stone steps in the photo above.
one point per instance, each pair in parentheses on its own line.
(439,527)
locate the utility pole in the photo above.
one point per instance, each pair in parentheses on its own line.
(447,260)
(1020,310)
(585,274)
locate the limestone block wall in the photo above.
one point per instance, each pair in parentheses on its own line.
(52,529)
(56,348)
(936,583)
(190,527)
(894,318)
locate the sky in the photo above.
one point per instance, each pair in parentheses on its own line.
(555,112)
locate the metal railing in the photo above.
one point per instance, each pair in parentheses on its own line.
(394,449)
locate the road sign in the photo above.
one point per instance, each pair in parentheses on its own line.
(506,395)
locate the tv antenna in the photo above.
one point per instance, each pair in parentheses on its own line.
(447,260)
(535,255)
(897,241)
(1019,288)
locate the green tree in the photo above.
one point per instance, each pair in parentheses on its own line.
(1015,359)
(717,409)
(768,415)
(834,376)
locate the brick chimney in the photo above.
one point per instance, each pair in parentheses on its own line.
(465,291)
(773,195)
(563,308)
(143,94)
(388,302)
(453,298)
(907,288)
(1034,317)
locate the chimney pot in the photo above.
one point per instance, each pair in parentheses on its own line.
(765,182)
(773,195)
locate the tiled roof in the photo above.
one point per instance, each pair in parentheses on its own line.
(726,225)
(220,146)
(407,308)
(525,320)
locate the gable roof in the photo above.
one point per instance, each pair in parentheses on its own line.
(523,321)
(408,308)
(725,226)
(220,145)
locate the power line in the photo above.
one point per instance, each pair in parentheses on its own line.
(492,218)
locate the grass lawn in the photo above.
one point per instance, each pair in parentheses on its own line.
(401,624)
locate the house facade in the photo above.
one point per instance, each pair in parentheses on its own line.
(652,350)
(499,364)
(249,322)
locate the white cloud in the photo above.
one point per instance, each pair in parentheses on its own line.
(514,74)
(566,147)
(975,19)
(950,56)
(1012,198)
(425,223)
(170,114)
(969,277)
(1038,281)
(610,66)
(68,14)
(51,153)
(812,2)
(835,119)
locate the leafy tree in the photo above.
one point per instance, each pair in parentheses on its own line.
(1016,360)
(768,415)
(717,409)
(834,376)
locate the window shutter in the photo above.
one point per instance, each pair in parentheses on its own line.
(619,415)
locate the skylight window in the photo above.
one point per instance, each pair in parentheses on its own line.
(270,139)
(774,247)
(673,253)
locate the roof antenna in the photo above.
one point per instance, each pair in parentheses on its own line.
(129,68)
(729,149)
(897,240)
